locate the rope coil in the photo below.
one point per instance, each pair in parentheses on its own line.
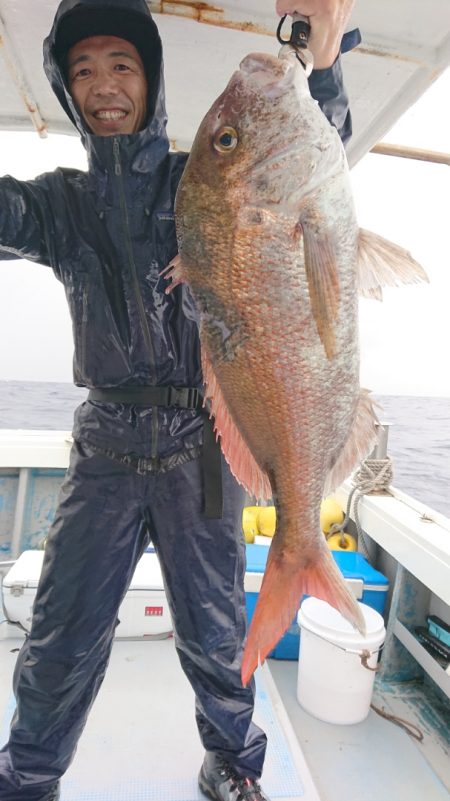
(373,475)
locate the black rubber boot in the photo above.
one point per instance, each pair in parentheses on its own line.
(219,781)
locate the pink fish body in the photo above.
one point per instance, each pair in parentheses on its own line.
(270,247)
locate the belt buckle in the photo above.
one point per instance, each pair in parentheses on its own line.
(173,398)
(183,397)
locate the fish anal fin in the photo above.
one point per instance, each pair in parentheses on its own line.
(359,444)
(234,448)
(283,587)
(383,263)
(323,284)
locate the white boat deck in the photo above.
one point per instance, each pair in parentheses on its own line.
(141,742)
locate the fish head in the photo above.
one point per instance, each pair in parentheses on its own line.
(261,144)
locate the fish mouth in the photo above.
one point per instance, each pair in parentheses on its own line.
(269,74)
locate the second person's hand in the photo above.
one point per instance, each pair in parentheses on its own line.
(328,20)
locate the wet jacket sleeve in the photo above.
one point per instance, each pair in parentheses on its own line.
(26,229)
(327,87)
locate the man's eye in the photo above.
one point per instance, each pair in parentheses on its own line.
(122,67)
(83,73)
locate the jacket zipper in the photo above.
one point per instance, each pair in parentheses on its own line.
(129,249)
(83,330)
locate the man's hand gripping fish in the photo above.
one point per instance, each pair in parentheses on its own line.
(271,250)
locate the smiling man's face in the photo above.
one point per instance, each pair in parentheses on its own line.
(108,84)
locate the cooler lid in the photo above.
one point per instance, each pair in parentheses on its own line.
(26,571)
(355,565)
(147,575)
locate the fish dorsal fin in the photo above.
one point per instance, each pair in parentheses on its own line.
(383,263)
(323,284)
(360,442)
(235,450)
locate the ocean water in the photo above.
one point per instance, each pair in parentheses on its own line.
(419,434)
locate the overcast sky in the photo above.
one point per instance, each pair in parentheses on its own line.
(404,340)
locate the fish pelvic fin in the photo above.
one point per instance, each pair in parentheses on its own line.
(323,284)
(383,263)
(283,587)
(174,273)
(242,463)
(362,439)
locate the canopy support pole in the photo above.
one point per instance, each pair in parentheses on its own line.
(15,70)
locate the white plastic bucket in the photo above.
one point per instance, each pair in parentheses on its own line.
(337,664)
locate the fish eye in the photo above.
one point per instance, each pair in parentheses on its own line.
(226,139)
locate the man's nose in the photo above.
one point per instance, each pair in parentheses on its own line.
(105,84)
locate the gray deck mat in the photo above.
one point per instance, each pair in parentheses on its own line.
(141,741)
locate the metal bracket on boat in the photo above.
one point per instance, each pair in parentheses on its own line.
(298,40)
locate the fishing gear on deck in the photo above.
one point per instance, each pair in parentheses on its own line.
(298,40)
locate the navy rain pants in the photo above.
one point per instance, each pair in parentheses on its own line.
(107,514)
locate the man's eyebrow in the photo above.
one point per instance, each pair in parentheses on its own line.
(121,54)
(113,54)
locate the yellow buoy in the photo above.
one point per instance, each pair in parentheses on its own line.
(249,523)
(331,512)
(341,542)
(267,520)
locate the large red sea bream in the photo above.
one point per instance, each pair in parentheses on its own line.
(272,252)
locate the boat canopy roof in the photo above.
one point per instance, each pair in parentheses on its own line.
(405,47)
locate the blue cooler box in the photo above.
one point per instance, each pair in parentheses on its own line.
(366,583)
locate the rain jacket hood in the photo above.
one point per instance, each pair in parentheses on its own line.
(131,20)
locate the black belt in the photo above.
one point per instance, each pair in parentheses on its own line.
(179,398)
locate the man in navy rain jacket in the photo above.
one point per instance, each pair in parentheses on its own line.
(139,463)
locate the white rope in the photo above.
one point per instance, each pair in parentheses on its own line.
(373,475)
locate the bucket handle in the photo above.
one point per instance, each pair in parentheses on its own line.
(365,656)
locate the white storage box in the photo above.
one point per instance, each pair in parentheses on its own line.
(144,611)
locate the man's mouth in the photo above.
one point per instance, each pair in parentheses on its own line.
(110,114)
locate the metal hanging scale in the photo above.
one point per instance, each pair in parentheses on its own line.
(298,40)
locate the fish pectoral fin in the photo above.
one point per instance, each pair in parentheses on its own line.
(383,263)
(284,584)
(174,273)
(234,448)
(360,442)
(323,285)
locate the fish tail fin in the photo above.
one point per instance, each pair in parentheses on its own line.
(282,590)
(383,263)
